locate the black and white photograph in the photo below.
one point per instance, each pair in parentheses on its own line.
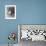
(10,11)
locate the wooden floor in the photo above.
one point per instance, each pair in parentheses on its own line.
(9,45)
(30,43)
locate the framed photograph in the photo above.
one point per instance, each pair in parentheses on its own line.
(10,11)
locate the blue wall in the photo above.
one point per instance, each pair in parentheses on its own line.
(6,26)
(31,11)
(27,12)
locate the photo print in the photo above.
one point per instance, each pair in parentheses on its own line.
(10,11)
